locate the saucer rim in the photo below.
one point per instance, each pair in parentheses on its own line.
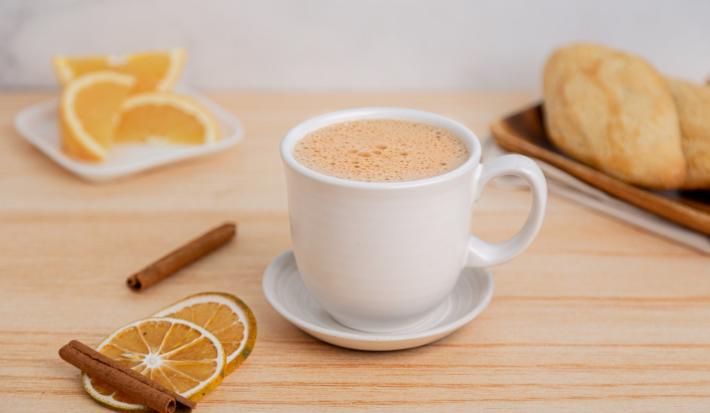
(364,336)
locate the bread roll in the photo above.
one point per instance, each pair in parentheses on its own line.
(613,111)
(693,104)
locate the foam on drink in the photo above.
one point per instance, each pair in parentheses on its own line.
(381,150)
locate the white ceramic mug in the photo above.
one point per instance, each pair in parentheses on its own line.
(380,256)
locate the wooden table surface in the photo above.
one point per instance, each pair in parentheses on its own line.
(597,316)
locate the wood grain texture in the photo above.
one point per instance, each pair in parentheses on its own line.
(596,316)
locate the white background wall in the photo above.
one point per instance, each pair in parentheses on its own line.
(351,45)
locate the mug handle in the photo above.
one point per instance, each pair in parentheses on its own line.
(484,254)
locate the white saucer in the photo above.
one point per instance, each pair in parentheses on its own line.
(288,295)
(38,125)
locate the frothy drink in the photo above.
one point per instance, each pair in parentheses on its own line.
(380,150)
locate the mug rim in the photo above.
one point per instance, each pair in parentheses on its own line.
(299,131)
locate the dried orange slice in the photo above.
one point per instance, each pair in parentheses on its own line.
(89,112)
(168,117)
(156,70)
(225,316)
(178,354)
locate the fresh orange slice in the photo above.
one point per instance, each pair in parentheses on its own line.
(156,70)
(225,316)
(178,354)
(167,117)
(89,111)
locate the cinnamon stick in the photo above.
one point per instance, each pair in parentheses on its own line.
(135,386)
(182,257)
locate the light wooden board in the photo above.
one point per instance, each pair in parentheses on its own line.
(596,316)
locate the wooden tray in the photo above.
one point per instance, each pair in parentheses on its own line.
(524,132)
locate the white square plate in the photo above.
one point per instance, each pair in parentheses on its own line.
(39,125)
